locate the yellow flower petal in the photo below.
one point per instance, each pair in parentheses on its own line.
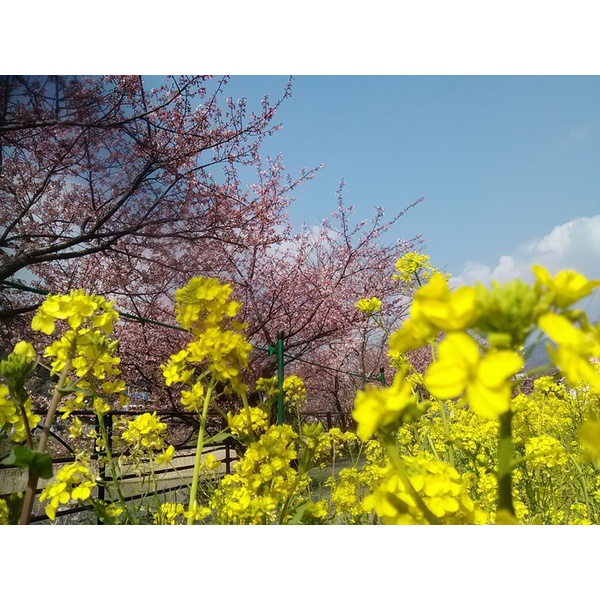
(445,380)
(495,368)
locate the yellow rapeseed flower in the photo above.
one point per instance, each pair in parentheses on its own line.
(443,308)
(294,390)
(589,436)
(145,431)
(377,407)
(574,351)
(193,399)
(369,306)
(484,380)
(238,423)
(3,512)
(72,482)
(169,513)
(75,307)
(166,456)
(442,489)
(413,334)
(25,349)
(568,286)
(544,452)
(435,308)
(414,268)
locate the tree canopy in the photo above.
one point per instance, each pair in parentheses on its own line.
(127,191)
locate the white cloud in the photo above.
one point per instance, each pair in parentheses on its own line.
(574,245)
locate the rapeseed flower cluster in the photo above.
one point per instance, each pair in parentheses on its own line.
(438,486)
(174,513)
(193,398)
(316,447)
(4,514)
(369,306)
(549,455)
(145,432)
(503,316)
(84,349)
(343,443)
(16,415)
(90,352)
(472,439)
(263,483)
(550,409)
(353,484)
(376,407)
(267,385)
(204,302)
(414,268)
(12,422)
(239,426)
(348,489)
(72,482)
(204,308)
(544,452)
(474,369)
(294,391)
(76,308)
(169,513)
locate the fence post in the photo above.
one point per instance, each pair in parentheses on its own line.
(382,375)
(280,378)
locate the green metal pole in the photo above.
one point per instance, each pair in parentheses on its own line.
(280,378)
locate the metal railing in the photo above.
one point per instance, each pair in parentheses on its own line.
(181,430)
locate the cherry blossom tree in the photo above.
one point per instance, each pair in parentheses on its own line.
(104,165)
(308,288)
(128,192)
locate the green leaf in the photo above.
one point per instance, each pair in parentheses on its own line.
(38,463)
(219,437)
(299,513)
(42,465)
(19,457)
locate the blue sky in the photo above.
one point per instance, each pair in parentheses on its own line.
(501,139)
(509,166)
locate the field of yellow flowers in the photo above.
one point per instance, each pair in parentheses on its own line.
(474,440)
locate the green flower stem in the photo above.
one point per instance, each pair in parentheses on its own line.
(289,499)
(505,463)
(111,462)
(303,469)
(32,479)
(392,452)
(153,479)
(246,407)
(432,446)
(442,406)
(198,459)
(27,428)
(583,485)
